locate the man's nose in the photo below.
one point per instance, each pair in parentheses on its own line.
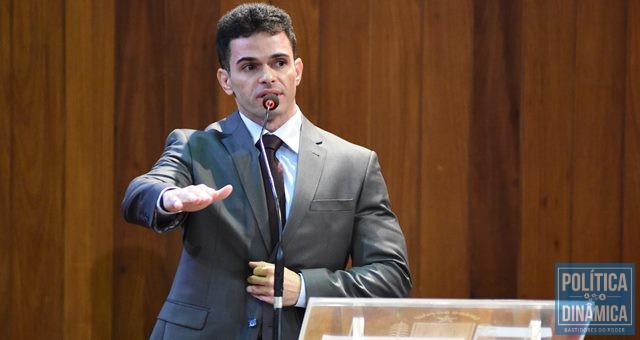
(267,75)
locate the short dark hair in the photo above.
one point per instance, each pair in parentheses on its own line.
(247,19)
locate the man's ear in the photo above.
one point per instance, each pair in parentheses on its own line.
(299,66)
(225,81)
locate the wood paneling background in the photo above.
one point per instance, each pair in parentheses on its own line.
(508,132)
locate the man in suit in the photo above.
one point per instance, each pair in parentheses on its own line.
(209,183)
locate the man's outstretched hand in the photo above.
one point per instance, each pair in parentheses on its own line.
(193,197)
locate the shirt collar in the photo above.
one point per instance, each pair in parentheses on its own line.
(289,132)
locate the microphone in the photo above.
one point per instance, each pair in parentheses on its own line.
(270,102)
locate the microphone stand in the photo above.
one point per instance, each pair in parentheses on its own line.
(278,280)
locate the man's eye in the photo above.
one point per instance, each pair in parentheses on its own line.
(248,67)
(281,63)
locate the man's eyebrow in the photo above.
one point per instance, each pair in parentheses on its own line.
(279,55)
(252,59)
(243,59)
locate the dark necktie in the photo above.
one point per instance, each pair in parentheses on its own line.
(271,145)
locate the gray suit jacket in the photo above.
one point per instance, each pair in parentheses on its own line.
(340,211)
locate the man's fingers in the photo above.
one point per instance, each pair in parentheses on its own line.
(261,283)
(262,268)
(256,264)
(205,195)
(171,201)
(183,200)
(264,293)
(223,193)
(260,280)
(194,197)
(177,205)
(201,194)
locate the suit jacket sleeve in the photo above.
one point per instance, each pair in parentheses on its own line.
(379,257)
(171,170)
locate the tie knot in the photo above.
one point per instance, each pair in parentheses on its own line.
(272,142)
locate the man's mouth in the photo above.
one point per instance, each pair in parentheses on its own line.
(263,93)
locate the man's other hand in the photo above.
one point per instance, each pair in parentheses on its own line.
(261,283)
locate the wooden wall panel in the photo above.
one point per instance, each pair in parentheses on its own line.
(508,132)
(494,150)
(631,179)
(345,77)
(548,106)
(306,19)
(442,232)
(598,126)
(89,164)
(394,111)
(144,262)
(631,187)
(189,64)
(6,117)
(37,184)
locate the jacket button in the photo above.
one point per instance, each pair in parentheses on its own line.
(252,323)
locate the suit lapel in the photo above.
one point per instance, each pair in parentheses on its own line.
(311,157)
(237,140)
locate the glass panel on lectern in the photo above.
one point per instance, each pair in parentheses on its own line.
(429,319)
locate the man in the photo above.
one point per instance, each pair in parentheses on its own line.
(210,184)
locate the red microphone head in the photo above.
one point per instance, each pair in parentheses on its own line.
(270,101)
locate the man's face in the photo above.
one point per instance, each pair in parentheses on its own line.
(258,65)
